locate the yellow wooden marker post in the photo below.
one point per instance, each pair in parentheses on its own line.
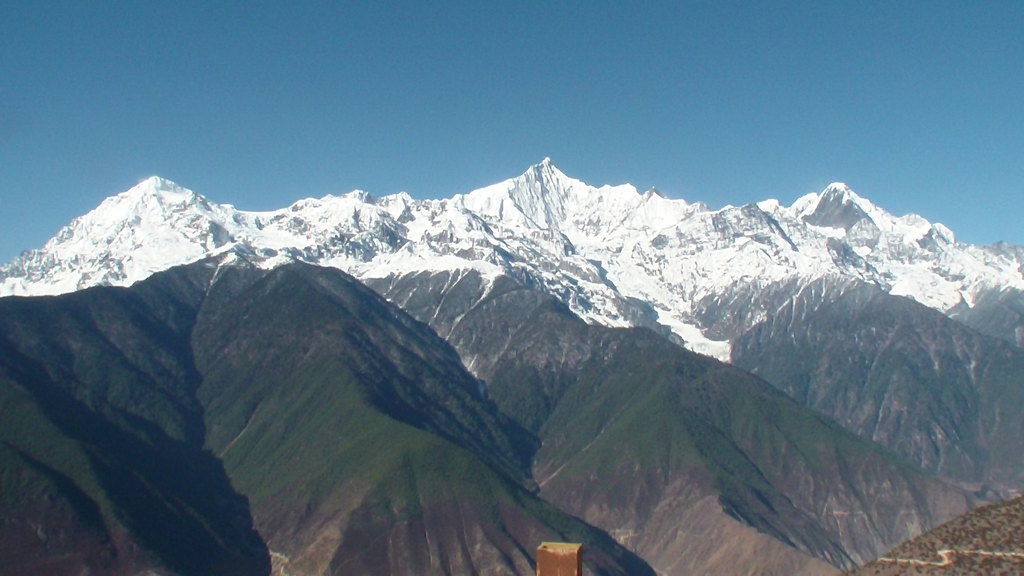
(559,559)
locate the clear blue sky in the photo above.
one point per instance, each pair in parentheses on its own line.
(916,105)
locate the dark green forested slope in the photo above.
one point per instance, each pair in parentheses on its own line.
(102,444)
(212,417)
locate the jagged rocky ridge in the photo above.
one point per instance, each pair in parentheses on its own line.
(616,256)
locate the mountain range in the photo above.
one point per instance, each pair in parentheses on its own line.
(616,256)
(706,278)
(550,341)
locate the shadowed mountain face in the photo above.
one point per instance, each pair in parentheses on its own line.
(157,426)
(997,313)
(836,209)
(898,373)
(662,447)
(102,443)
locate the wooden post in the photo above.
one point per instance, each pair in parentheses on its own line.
(559,559)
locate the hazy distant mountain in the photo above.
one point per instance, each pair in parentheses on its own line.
(898,373)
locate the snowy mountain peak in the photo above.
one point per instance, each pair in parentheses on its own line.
(159,183)
(152,184)
(147,228)
(548,177)
(154,194)
(537,198)
(155,186)
(839,207)
(838,188)
(614,255)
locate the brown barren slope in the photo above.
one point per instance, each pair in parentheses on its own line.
(986,540)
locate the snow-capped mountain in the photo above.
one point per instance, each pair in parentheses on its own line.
(615,255)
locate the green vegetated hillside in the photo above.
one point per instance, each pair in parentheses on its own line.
(363,444)
(101,444)
(210,418)
(901,374)
(696,465)
(221,419)
(986,540)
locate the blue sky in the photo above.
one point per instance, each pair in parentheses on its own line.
(916,105)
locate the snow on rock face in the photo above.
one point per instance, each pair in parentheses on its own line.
(838,207)
(129,236)
(614,255)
